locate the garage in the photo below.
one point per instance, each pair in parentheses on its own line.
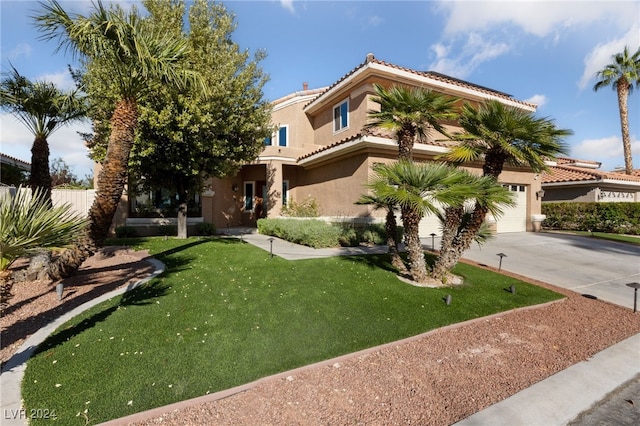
(514,219)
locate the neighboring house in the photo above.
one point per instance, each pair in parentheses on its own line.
(13,170)
(320,150)
(581,181)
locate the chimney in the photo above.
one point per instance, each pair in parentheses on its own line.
(305,86)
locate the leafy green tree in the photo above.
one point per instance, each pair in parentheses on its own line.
(43,108)
(27,223)
(496,134)
(621,75)
(188,136)
(124,60)
(411,114)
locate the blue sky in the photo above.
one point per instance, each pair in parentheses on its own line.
(546,52)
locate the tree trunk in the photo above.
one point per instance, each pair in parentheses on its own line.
(452,220)
(391,228)
(622,87)
(415,255)
(182,208)
(462,241)
(405,144)
(40,176)
(111,182)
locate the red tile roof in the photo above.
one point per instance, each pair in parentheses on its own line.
(14,160)
(563,173)
(428,74)
(374,133)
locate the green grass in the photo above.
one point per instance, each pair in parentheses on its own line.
(225,313)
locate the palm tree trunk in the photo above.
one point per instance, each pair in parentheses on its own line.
(461,243)
(445,261)
(405,144)
(111,182)
(40,176)
(415,254)
(623,93)
(391,228)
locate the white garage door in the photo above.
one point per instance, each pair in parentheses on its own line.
(514,219)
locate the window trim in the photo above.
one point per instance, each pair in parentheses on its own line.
(338,107)
(251,197)
(286,129)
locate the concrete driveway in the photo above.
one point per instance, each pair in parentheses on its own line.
(586,265)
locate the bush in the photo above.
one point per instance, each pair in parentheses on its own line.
(319,234)
(614,218)
(126,232)
(307,208)
(206,229)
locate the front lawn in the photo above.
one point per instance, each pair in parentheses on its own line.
(224,313)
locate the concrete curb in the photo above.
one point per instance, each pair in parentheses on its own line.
(13,370)
(159,411)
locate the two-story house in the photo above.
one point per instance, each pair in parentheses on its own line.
(320,150)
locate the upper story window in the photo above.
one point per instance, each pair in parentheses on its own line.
(283,133)
(341,116)
(280,138)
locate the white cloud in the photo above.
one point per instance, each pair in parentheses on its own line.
(601,55)
(62,80)
(20,50)
(475,51)
(288,4)
(606,150)
(539,100)
(540,18)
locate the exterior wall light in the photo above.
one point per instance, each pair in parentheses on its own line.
(539,194)
(235,187)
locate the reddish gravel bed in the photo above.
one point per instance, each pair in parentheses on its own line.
(436,379)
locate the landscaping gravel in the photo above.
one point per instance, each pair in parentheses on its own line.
(436,379)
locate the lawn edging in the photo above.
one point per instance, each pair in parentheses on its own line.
(159,411)
(13,370)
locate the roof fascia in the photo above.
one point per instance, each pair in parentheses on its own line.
(615,182)
(410,78)
(365,142)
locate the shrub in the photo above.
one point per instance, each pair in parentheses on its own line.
(319,234)
(615,218)
(206,229)
(307,208)
(126,232)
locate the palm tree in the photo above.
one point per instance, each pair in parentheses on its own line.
(42,108)
(498,134)
(411,114)
(418,189)
(621,75)
(138,58)
(28,222)
(391,228)
(460,226)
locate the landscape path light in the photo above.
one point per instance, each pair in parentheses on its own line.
(635,287)
(433,236)
(271,247)
(500,264)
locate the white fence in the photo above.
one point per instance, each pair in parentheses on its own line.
(79,199)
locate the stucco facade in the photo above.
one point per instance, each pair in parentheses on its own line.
(570,180)
(320,150)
